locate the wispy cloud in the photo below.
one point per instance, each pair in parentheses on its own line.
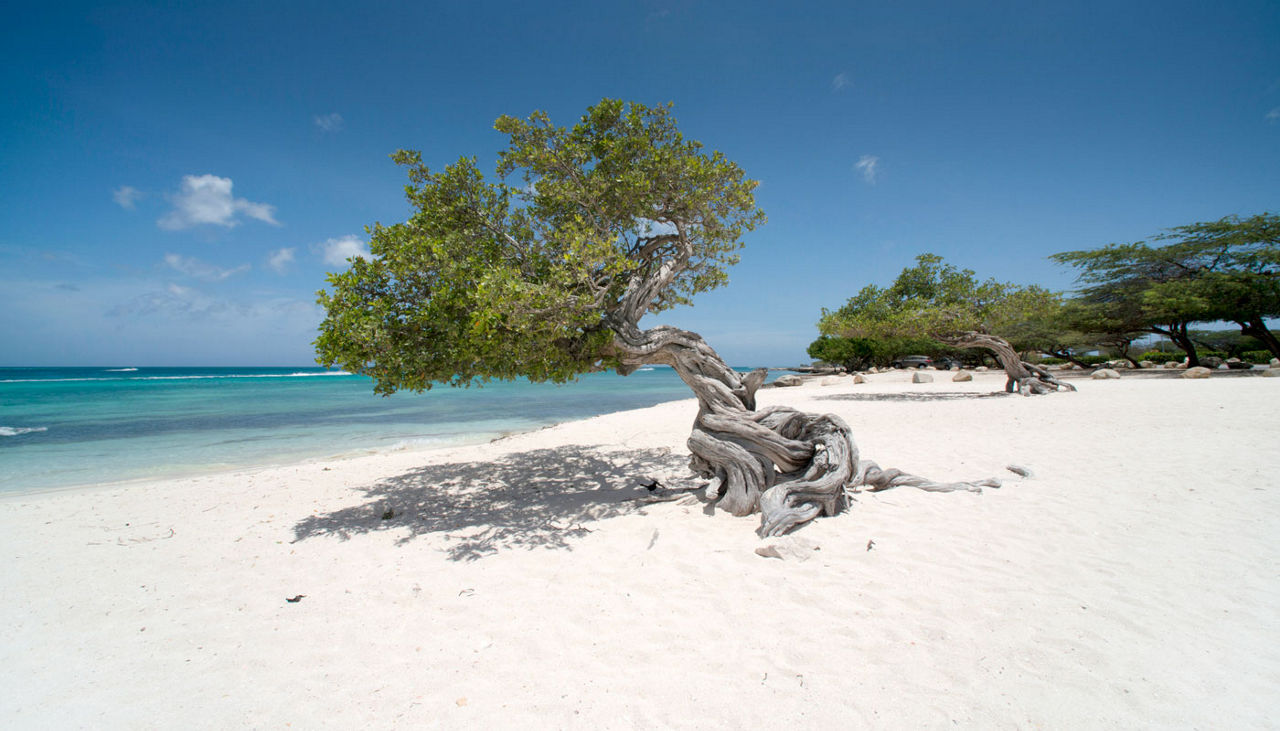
(203,270)
(127,196)
(331,122)
(207,199)
(869,166)
(1273,116)
(280,259)
(336,252)
(841,81)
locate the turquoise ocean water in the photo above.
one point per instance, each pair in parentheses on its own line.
(61,427)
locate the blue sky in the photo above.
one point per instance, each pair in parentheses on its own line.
(174,183)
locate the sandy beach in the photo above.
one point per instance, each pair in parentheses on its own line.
(1130,581)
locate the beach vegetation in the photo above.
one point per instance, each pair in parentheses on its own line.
(937,301)
(1225,270)
(545,271)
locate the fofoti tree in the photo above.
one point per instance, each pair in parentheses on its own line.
(546,273)
(934,299)
(1224,270)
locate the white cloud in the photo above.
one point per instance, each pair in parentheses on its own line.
(280,259)
(207,199)
(869,166)
(331,122)
(336,252)
(193,267)
(841,81)
(1273,116)
(126,196)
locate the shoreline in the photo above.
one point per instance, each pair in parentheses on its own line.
(1128,582)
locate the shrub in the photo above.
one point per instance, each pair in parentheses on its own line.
(1157,356)
(1256,356)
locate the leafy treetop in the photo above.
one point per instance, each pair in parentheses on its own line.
(934,299)
(586,230)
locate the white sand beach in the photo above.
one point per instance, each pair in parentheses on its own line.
(1133,581)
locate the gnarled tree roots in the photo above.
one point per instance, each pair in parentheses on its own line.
(788,465)
(791,466)
(1025,378)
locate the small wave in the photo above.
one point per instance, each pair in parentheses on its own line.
(13,431)
(121,370)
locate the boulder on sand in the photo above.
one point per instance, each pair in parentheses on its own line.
(962,376)
(919,377)
(1103,374)
(1197,372)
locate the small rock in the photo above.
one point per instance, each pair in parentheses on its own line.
(1018,469)
(1171,364)
(1197,372)
(919,377)
(1103,374)
(981,369)
(831,381)
(1223,367)
(789,548)
(961,376)
(1275,362)
(859,378)
(788,381)
(1211,361)
(1147,363)
(1271,373)
(1077,367)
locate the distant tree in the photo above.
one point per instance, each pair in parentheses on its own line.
(850,353)
(1220,270)
(547,272)
(1092,325)
(936,300)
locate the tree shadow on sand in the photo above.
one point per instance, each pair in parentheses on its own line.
(540,498)
(915,396)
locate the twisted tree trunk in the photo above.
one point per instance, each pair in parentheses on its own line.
(1023,377)
(788,465)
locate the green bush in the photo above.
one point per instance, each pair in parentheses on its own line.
(1092,360)
(1052,361)
(1256,356)
(1156,356)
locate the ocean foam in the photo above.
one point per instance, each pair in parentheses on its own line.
(121,370)
(13,431)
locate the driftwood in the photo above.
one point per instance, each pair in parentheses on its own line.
(788,465)
(1025,378)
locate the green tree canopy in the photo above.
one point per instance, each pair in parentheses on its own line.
(584,230)
(937,300)
(934,299)
(1203,272)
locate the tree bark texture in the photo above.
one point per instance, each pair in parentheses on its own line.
(1257,327)
(787,465)
(1025,378)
